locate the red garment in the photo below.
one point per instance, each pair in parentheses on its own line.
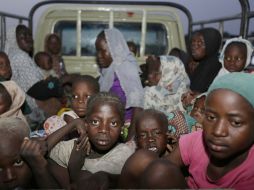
(194,155)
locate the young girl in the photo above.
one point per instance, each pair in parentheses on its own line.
(235,55)
(119,70)
(104,118)
(221,156)
(83,87)
(168,80)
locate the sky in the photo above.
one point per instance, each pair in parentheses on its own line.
(200,9)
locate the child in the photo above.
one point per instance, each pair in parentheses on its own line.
(49,96)
(12,99)
(104,118)
(221,156)
(235,55)
(44,61)
(83,87)
(168,81)
(22,165)
(53,47)
(132,47)
(198,111)
(5,67)
(119,71)
(151,131)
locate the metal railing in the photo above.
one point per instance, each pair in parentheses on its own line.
(3,17)
(244,17)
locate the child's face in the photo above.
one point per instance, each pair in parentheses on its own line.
(45,63)
(103,55)
(5,68)
(198,109)
(104,126)
(54,45)
(4,105)
(228,125)
(234,58)
(150,135)
(198,47)
(81,92)
(153,70)
(14,172)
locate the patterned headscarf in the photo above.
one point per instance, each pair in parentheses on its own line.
(249,48)
(240,83)
(125,66)
(166,96)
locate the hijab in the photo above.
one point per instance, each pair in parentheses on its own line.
(209,66)
(126,68)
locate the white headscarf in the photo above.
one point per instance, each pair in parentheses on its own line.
(222,54)
(125,66)
(18,98)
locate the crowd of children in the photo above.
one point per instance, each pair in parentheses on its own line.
(188,124)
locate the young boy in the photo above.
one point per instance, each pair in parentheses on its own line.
(151,131)
(22,162)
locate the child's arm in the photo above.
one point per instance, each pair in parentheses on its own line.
(32,151)
(57,136)
(175,157)
(77,158)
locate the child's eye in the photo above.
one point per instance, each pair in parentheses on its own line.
(113,124)
(18,162)
(236,123)
(74,97)
(156,132)
(142,135)
(95,122)
(210,117)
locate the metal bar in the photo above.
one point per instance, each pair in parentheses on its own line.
(245,19)
(13,16)
(155,3)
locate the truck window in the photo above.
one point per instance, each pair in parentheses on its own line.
(156,39)
(156,36)
(89,32)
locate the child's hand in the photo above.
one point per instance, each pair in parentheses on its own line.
(33,151)
(172,142)
(77,158)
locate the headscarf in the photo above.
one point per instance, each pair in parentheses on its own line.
(18,99)
(166,96)
(125,66)
(209,67)
(249,48)
(240,83)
